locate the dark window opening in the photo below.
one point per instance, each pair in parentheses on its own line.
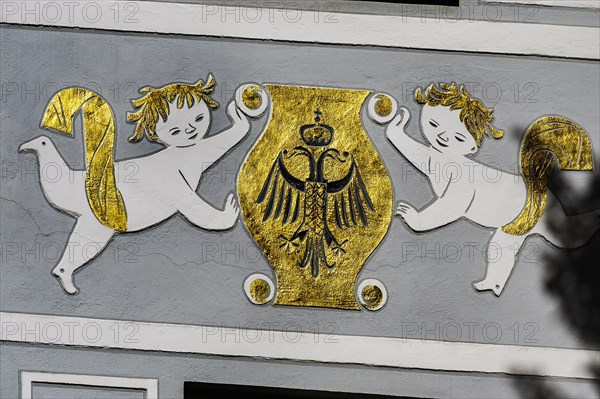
(193,390)
(450,3)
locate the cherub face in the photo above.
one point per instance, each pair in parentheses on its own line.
(185,126)
(445,132)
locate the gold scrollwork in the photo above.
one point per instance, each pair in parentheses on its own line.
(383,107)
(251,98)
(372,296)
(260,291)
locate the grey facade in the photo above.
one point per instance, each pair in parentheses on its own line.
(175,273)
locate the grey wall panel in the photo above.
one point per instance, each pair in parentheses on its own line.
(175,370)
(177,273)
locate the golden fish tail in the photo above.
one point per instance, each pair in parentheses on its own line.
(547,140)
(99,134)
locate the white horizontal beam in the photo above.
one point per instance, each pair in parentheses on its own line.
(291,345)
(591,4)
(427,31)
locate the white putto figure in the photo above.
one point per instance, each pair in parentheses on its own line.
(454,125)
(179,117)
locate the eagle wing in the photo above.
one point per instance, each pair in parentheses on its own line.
(350,198)
(283,193)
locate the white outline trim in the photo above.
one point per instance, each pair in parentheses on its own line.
(259,276)
(375,98)
(264,100)
(376,283)
(589,4)
(354,29)
(290,345)
(28,378)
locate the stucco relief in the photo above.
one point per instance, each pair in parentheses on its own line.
(313,191)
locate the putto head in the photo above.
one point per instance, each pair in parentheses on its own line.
(476,118)
(154,109)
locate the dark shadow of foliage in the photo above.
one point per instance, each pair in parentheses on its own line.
(574,275)
(573,279)
(536,388)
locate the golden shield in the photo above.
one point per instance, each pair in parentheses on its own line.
(316,197)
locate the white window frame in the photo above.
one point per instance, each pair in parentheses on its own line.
(28,378)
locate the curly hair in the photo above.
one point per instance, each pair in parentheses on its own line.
(476,118)
(156,103)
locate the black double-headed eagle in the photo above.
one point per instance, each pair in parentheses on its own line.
(289,198)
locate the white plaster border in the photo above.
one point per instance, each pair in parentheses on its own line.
(313,27)
(28,378)
(295,346)
(591,4)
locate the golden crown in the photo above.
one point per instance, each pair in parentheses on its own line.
(317,134)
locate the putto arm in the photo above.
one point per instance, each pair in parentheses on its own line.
(416,153)
(214,147)
(438,214)
(250,100)
(446,209)
(202,214)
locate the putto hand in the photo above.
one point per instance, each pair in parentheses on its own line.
(237,117)
(398,124)
(405,113)
(232,209)
(409,214)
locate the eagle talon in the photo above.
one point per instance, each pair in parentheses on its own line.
(288,245)
(338,249)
